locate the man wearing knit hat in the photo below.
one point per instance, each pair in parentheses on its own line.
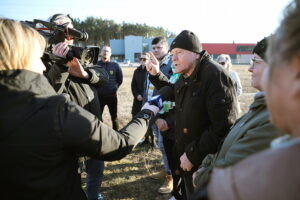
(252,133)
(205,103)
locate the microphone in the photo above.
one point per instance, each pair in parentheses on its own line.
(80,35)
(164,94)
(75,34)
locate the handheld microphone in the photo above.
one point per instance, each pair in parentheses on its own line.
(156,101)
(164,94)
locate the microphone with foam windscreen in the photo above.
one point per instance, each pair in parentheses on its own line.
(75,34)
(79,35)
(164,94)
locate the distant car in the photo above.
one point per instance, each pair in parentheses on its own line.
(126,61)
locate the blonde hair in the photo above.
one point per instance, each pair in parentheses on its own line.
(19,45)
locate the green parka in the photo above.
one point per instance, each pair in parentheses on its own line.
(252,133)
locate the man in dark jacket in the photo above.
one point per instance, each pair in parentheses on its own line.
(205,102)
(137,84)
(108,92)
(41,133)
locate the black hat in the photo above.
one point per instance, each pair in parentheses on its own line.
(261,48)
(187,40)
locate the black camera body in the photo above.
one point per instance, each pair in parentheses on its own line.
(54,34)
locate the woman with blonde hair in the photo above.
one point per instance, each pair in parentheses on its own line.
(42,134)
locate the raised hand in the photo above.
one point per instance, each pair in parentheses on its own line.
(152,65)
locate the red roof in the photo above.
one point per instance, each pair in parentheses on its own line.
(226,48)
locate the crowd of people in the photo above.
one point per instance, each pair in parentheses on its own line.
(51,117)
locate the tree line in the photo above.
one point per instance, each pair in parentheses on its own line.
(100,30)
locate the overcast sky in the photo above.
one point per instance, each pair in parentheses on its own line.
(225,21)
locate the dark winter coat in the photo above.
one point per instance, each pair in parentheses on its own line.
(205,106)
(41,136)
(137,88)
(80,91)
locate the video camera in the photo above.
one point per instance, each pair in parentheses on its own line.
(54,34)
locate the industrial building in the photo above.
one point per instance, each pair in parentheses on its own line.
(130,48)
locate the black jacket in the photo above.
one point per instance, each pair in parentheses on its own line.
(137,88)
(80,91)
(115,78)
(205,106)
(41,136)
(170,119)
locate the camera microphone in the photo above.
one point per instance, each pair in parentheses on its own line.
(79,35)
(73,33)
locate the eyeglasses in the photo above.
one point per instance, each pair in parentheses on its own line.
(222,63)
(143,59)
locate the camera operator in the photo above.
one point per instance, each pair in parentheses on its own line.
(72,78)
(76,81)
(42,133)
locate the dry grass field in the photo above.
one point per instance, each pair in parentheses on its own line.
(129,179)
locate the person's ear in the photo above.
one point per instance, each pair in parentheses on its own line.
(296,70)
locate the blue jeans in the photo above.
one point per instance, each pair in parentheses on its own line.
(94,170)
(157,133)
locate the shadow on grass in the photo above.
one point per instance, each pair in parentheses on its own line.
(144,189)
(130,178)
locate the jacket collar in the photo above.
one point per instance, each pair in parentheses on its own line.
(259,100)
(20,91)
(25,80)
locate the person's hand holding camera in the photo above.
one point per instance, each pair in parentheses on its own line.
(76,69)
(60,49)
(152,65)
